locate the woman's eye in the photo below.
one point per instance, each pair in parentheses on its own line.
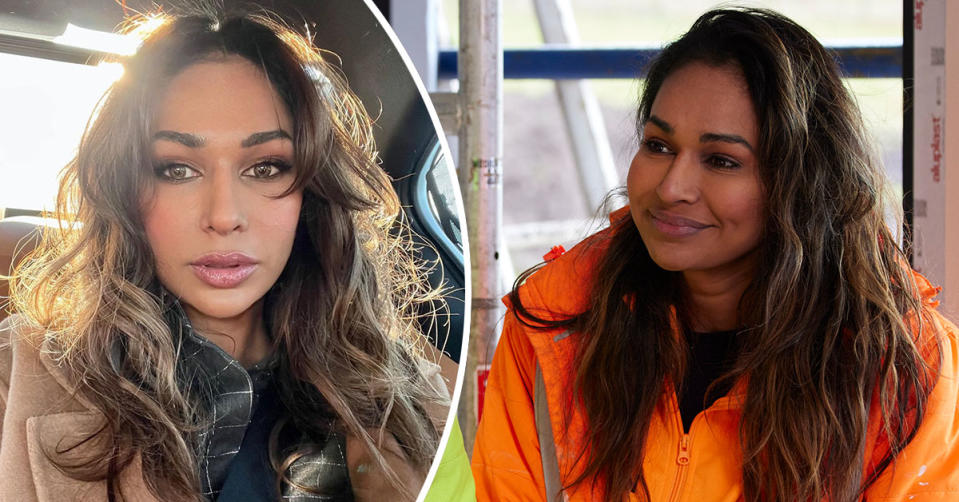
(266,170)
(175,172)
(722,162)
(655,146)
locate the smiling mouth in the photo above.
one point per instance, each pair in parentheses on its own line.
(675,226)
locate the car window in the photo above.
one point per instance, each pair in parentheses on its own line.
(46,105)
(435,193)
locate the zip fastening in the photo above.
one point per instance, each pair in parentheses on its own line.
(682,463)
(682,454)
(683,449)
(683,458)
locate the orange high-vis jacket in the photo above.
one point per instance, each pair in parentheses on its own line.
(701,466)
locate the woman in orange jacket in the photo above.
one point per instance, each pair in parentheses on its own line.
(747,329)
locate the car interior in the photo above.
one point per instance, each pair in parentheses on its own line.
(408,136)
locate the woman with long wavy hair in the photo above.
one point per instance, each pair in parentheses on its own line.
(227,309)
(747,329)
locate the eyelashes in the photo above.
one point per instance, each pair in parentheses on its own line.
(174,172)
(715,161)
(655,146)
(264,170)
(267,169)
(721,162)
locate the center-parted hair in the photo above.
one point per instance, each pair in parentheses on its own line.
(828,320)
(342,315)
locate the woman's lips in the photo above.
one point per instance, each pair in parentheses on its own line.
(674,225)
(223,270)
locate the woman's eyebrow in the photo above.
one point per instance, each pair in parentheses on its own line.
(194,141)
(660,123)
(259,138)
(708,137)
(725,138)
(185,139)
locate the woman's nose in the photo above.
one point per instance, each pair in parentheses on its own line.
(681,181)
(223,207)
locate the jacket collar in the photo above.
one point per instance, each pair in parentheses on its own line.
(211,376)
(222,388)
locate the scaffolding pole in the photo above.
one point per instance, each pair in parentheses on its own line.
(584,119)
(481,181)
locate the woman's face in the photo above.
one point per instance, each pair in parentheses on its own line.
(694,188)
(222,152)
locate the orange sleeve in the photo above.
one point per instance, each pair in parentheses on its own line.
(506,460)
(927,469)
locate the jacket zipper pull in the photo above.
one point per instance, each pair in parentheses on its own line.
(683,457)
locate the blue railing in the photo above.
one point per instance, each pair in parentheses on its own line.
(878,61)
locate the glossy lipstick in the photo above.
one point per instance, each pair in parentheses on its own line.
(223,270)
(674,225)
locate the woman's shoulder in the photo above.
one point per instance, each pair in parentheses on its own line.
(929,456)
(14,332)
(18,333)
(562,285)
(368,479)
(937,339)
(935,329)
(22,348)
(7,335)
(932,327)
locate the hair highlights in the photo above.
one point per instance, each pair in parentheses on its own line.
(830,318)
(345,307)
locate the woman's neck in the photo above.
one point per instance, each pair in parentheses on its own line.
(713,296)
(244,336)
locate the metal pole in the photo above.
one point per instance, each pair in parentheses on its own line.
(481,181)
(584,119)
(414,22)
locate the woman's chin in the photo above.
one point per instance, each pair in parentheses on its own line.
(224,307)
(671,261)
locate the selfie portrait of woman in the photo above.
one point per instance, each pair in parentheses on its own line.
(747,328)
(230,306)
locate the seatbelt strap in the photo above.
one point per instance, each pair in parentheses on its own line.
(547,444)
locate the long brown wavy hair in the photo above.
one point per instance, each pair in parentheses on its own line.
(345,307)
(826,319)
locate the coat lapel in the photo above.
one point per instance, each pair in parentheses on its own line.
(50,436)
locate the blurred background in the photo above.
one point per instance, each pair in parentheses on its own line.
(45,104)
(543,204)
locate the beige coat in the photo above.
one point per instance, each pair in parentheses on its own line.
(39,411)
